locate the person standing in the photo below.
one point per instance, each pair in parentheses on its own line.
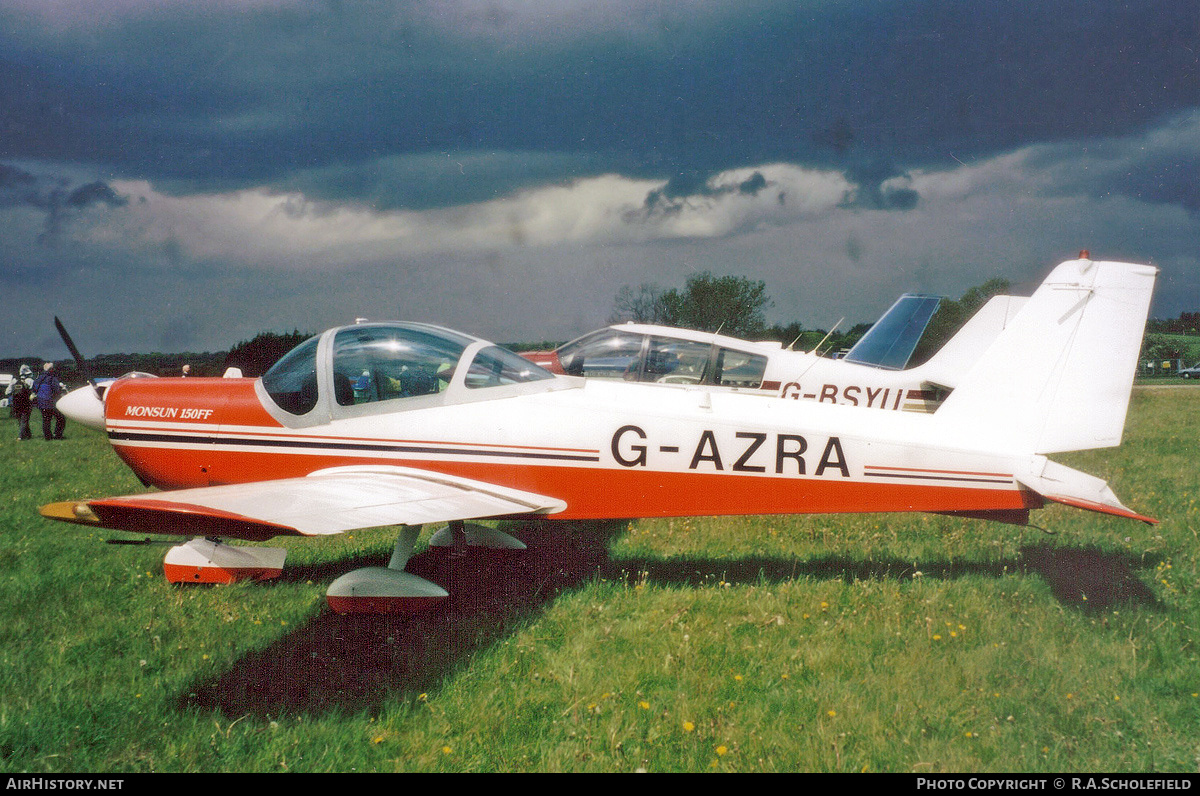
(46,389)
(21,401)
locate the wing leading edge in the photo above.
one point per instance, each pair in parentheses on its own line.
(325,502)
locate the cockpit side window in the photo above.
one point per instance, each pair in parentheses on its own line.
(605,354)
(494,366)
(292,381)
(739,368)
(381,363)
(673,361)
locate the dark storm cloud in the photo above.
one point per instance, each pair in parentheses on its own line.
(53,197)
(226,97)
(681,188)
(501,148)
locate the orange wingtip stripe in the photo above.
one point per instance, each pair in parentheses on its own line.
(70,511)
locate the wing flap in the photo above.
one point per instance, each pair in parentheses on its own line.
(325,502)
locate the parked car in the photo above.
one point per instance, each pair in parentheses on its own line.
(1190,373)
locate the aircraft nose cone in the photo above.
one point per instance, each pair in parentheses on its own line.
(84,407)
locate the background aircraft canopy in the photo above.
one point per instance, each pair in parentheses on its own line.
(890,342)
(623,353)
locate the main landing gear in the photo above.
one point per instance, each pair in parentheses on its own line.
(389,589)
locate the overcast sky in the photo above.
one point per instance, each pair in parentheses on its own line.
(181,175)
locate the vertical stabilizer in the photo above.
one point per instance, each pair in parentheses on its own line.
(1058,377)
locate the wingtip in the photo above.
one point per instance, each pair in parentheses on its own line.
(70,511)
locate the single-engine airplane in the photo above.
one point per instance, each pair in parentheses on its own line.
(872,374)
(380,424)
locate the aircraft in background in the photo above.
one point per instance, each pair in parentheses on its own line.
(380,424)
(872,374)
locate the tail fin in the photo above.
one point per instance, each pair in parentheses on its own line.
(1058,377)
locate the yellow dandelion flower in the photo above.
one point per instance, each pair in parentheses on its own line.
(644,705)
(831,714)
(378,739)
(446,750)
(737,677)
(721,751)
(937,636)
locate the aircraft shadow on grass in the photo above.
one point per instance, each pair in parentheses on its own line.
(359,662)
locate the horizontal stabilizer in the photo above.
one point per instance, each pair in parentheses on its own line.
(1060,484)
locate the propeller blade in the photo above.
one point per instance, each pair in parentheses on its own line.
(66,338)
(80,362)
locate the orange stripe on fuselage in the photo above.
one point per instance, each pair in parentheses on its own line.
(598,492)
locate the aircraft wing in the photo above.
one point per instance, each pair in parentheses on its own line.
(325,502)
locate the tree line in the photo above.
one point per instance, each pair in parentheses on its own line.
(253,357)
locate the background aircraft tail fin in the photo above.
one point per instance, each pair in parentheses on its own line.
(952,361)
(1058,378)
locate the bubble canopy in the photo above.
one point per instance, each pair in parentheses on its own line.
(353,369)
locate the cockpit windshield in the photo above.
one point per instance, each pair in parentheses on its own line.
(379,363)
(292,381)
(494,366)
(373,363)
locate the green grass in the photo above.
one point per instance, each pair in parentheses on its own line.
(860,643)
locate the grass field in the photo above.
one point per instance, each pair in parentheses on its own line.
(872,643)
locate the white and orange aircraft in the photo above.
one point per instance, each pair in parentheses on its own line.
(380,424)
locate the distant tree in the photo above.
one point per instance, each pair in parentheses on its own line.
(1160,348)
(732,304)
(951,315)
(643,305)
(256,356)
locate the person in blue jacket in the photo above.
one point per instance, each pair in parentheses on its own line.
(46,389)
